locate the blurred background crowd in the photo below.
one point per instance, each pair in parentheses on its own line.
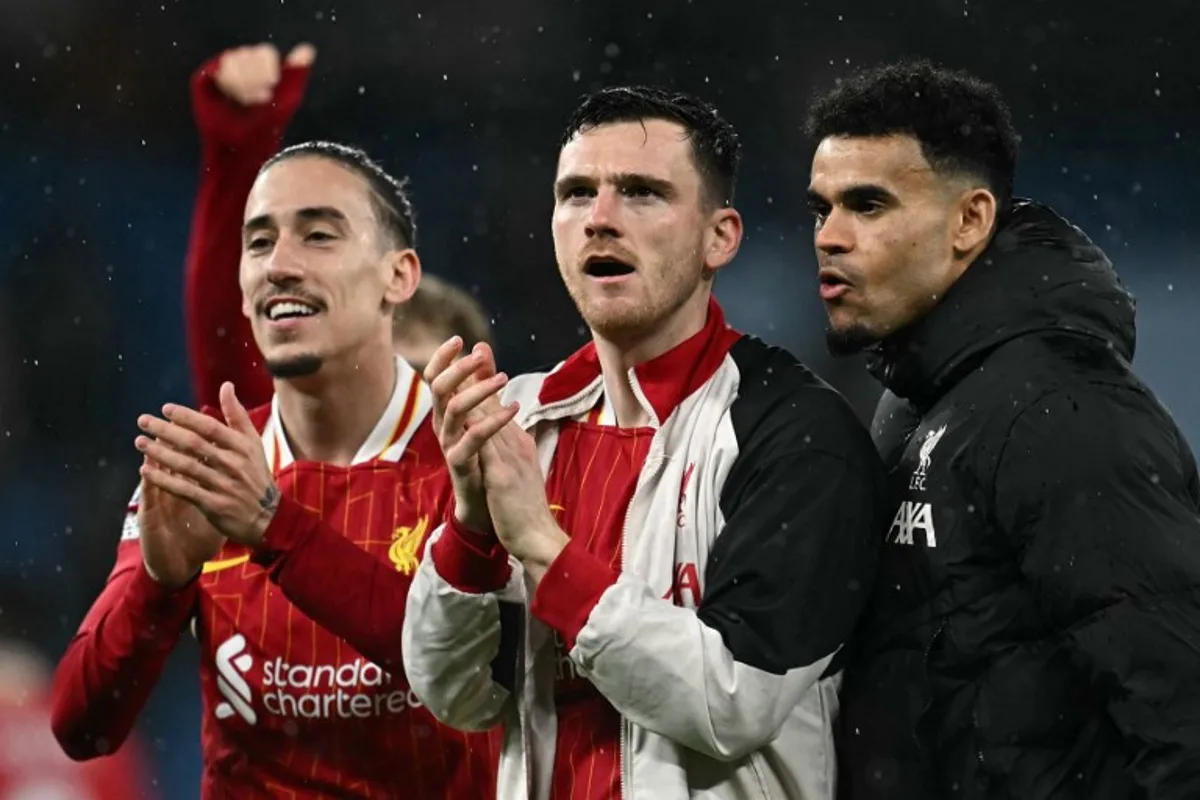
(99,159)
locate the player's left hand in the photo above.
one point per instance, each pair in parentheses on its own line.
(219,468)
(516,498)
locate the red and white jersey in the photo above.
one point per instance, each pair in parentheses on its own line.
(290,709)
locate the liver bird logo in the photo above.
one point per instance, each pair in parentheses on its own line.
(406,544)
(926,453)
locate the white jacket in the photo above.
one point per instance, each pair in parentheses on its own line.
(764,484)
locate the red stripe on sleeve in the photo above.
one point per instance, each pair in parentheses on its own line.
(471,562)
(570,590)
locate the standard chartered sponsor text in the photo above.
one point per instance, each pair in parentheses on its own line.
(358,689)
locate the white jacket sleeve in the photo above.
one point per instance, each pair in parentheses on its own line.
(783,587)
(452,630)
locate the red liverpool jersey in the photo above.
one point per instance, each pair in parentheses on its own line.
(292,710)
(592,478)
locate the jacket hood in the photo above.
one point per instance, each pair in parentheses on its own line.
(1040,273)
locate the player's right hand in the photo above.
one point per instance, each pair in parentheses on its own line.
(466,413)
(249,75)
(174,536)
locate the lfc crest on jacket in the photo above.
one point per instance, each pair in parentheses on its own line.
(914,523)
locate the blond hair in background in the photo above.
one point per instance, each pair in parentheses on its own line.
(437,311)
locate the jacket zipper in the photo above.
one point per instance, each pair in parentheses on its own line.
(623,755)
(978,748)
(545,413)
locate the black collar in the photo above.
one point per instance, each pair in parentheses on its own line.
(1039,273)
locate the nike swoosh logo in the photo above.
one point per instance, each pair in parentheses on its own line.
(217,566)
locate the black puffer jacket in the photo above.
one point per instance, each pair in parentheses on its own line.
(1035,630)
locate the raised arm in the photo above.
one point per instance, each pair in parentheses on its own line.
(242,101)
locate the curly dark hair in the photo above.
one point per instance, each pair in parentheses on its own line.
(961,122)
(389,195)
(716,150)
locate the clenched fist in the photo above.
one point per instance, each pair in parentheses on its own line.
(248,75)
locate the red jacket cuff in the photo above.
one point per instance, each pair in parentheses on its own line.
(255,131)
(160,605)
(473,563)
(570,590)
(291,526)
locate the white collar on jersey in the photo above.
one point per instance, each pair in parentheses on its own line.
(411,402)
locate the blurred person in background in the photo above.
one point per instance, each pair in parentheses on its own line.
(436,312)
(1035,627)
(325,493)
(687,517)
(32,766)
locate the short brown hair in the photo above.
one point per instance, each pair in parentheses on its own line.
(716,150)
(444,309)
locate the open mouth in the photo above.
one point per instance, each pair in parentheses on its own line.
(832,280)
(832,285)
(281,309)
(605,267)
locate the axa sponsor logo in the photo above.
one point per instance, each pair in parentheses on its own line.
(913,525)
(358,689)
(685,589)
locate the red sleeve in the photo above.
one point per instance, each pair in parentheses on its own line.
(116,657)
(342,587)
(471,562)
(235,142)
(570,589)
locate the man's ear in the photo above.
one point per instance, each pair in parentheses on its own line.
(403,274)
(974,222)
(722,239)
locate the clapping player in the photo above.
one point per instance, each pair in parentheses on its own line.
(686,518)
(286,535)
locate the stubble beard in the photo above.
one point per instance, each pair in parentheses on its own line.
(849,340)
(633,320)
(301,366)
(620,324)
